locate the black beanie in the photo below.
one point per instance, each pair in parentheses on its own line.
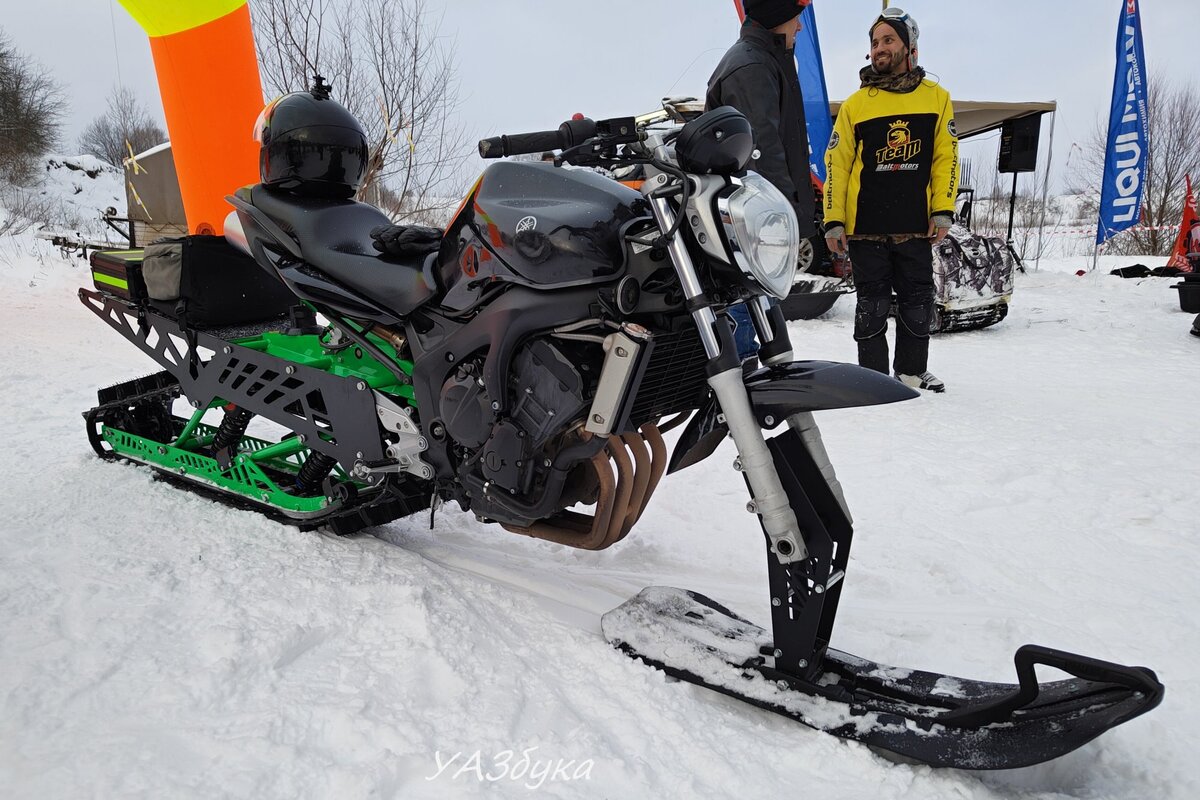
(899,27)
(770,13)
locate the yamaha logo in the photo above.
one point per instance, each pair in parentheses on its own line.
(526,224)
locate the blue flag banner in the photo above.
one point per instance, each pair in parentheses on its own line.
(1128,132)
(810,70)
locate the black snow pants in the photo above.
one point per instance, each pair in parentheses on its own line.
(881,268)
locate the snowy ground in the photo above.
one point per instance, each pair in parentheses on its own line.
(154,644)
(74,191)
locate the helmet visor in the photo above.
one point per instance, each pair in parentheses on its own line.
(264,116)
(321,158)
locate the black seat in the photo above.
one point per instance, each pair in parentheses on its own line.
(334,237)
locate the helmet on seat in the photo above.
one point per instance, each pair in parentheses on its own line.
(311,145)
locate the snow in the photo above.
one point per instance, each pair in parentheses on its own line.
(73,191)
(155,644)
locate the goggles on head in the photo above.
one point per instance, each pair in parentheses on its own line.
(893,14)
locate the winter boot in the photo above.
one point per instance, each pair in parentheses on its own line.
(926,380)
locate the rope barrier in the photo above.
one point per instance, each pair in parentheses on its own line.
(1092,230)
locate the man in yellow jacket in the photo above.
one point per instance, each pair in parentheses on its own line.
(890,190)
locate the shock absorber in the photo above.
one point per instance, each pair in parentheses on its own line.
(314,470)
(230,433)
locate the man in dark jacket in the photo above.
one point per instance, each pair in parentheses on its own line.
(758,78)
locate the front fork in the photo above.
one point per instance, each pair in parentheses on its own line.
(770,501)
(804,573)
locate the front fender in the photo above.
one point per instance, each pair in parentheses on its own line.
(778,392)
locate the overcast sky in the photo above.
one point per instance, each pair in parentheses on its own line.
(528,65)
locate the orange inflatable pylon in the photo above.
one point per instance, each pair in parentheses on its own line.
(211,94)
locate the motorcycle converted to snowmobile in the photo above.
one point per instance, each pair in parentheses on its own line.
(527,365)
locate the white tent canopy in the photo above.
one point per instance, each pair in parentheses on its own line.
(973,117)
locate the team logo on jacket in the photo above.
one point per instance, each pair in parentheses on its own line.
(834,140)
(900,145)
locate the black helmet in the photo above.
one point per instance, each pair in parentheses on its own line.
(719,141)
(311,145)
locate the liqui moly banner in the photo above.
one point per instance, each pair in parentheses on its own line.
(1128,132)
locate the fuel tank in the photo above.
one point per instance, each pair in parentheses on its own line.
(536,225)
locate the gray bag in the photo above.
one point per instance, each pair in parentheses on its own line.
(205,282)
(162,268)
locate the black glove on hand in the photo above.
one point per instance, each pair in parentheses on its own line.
(406,240)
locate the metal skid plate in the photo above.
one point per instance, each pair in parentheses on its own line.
(335,415)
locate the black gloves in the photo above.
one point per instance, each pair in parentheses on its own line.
(406,240)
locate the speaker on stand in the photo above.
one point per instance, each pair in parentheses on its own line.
(1018,153)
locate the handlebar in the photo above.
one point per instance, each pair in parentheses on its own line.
(569,134)
(516,144)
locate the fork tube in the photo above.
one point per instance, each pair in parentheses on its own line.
(805,426)
(688,279)
(762,324)
(770,499)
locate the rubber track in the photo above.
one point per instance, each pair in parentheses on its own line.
(392,500)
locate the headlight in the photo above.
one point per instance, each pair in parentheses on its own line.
(761,228)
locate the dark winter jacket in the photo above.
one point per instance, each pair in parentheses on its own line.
(758,78)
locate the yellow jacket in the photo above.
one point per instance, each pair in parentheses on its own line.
(892,161)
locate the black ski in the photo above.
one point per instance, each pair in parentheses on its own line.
(936,719)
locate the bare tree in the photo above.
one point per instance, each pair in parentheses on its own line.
(125,128)
(31,103)
(993,200)
(388,67)
(1173,152)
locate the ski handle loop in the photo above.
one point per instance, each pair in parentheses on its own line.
(1137,679)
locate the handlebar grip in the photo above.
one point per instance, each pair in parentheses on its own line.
(492,147)
(518,143)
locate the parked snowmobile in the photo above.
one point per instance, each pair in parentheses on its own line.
(972,275)
(527,365)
